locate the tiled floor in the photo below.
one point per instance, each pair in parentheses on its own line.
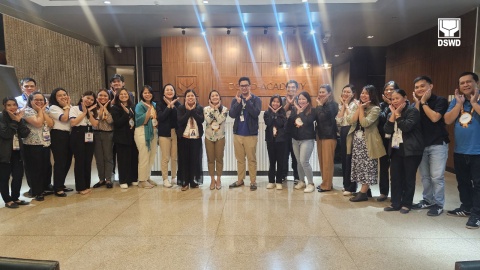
(234,229)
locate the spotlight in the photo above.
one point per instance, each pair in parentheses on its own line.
(305,65)
(326,66)
(284,65)
(265,30)
(280,32)
(229,31)
(245,32)
(107,2)
(183,31)
(205,1)
(350,48)
(312,32)
(119,49)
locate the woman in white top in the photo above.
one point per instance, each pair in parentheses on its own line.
(83,118)
(38,168)
(62,153)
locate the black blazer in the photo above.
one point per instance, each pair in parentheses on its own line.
(409,123)
(326,123)
(307,130)
(167,118)
(183,115)
(278,120)
(122,133)
(8,128)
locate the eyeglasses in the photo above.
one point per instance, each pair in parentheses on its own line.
(244,85)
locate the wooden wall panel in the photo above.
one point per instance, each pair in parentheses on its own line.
(189,56)
(420,55)
(52,59)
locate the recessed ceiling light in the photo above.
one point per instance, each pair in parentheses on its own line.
(107,2)
(205,1)
(336,55)
(350,48)
(204,33)
(304,1)
(312,32)
(369,36)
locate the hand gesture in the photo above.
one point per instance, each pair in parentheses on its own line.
(400,108)
(426,96)
(290,100)
(299,108)
(124,108)
(239,99)
(16,117)
(347,100)
(248,97)
(273,110)
(474,96)
(92,107)
(460,98)
(415,99)
(386,100)
(392,108)
(364,105)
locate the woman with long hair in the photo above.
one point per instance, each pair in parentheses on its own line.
(12,129)
(301,124)
(327,130)
(215,115)
(347,106)
(123,115)
(405,149)
(189,134)
(38,168)
(146,136)
(103,139)
(364,142)
(83,118)
(275,136)
(60,105)
(167,136)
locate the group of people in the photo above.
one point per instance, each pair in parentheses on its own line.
(380,141)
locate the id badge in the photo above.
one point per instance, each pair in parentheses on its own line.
(46,136)
(16,142)
(242,118)
(359,134)
(193,134)
(275,131)
(88,137)
(154,122)
(131,123)
(395,142)
(215,126)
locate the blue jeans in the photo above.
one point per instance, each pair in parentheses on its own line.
(432,170)
(303,151)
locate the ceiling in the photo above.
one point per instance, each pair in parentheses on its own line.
(347,22)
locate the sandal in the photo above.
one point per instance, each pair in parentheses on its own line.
(11,204)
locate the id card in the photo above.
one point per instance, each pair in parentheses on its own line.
(46,135)
(16,142)
(359,134)
(242,118)
(275,131)
(131,123)
(88,137)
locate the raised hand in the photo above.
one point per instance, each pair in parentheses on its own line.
(365,105)
(92,107)
(239,99)
(460,98)
(274,110)
(474,96)
(124,108)
(248,97)
(415,99)
(400,108)
(426,96)
(290,100)
(386,100)
(16,117)
(392,108)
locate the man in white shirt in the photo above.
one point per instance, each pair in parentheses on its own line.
(28,86)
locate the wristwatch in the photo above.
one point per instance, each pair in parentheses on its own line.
(424,103)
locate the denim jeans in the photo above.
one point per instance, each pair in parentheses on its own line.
(432,170)
(303,151)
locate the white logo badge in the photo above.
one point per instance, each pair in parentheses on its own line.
(449,32)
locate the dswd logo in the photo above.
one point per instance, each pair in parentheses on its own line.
(449,32)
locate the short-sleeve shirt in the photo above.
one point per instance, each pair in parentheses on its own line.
(76,111)
(467,138)
(35,137)
(21,100)
(434,133)
(56,113)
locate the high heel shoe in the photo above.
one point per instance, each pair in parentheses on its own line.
(185,188)
(218,183)
(212,184)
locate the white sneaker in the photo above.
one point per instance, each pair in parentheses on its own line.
(270,185)
(347,193)
(279,187)
(153,183)
(135,183)
(144,184)
(174,181)
(167,184)
(310,188)
(300,185)
(124,185)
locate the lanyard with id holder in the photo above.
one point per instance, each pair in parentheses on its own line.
(89,133)
(45,133)
(16,142)
(242,118)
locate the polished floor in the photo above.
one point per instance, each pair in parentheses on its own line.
(165,228)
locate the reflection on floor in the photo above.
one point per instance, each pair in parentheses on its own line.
(234,229)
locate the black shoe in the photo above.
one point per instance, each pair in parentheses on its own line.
(49,187)
(22,202)
(99,184)
(109,185)
(28,194)
(12,205)
(422,205)
(473,223)
(404,210)
(369,193)
(47,192)
(324,190)
(390,209)
(39,198)
(67,189)
(253,187)
(360,197)
(60,194)
(194,185)
(382,198)
(434,211)
(459,212)
(236,184)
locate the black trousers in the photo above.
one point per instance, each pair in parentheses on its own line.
(403,172)
(127,160)
(189,161)
(467,171)
(37,167)
(15,169)
(62,155)
(289,152)
(83,153)
(384,181)
(348,185)
(276,155)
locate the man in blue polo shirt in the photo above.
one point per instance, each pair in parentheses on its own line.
(28,86)
(245,108)
(464,111)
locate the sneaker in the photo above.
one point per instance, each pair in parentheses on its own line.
(422,205)
(174,181)
(166,183)
(153,183)
(310,188)
(279,186)
(144,184)
(459,212)
(270,185)
(300,185)
(435,210)
(473,223)
(135,183)
(124,186)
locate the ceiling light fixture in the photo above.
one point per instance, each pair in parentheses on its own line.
(305,65)
(204,33)
(350,48)
(369,36)
(183,31)
(229,31)
(280,32)
(312,32)
(205,1)
(336,55)
(304,1)
(107,2)
(326,65)
(284,65)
